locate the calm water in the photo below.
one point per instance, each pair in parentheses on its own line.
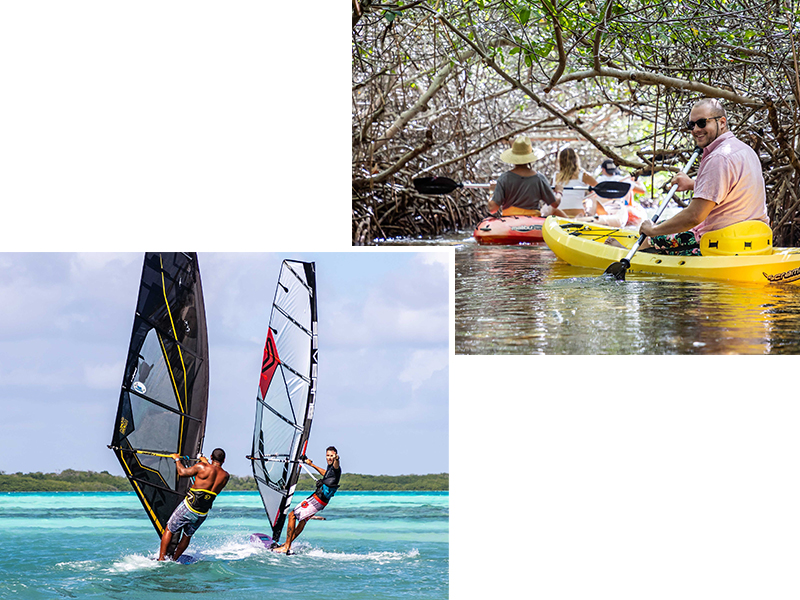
(100,545)
(523,300)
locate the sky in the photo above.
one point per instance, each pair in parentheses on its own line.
(383,367)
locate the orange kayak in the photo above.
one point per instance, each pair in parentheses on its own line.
(511,230)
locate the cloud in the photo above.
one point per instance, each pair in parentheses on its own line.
(75,295)
(408,305)
(421,365)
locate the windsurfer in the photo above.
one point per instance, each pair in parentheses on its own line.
(326,488)
(209,479)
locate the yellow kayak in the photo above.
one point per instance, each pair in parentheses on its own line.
(584,245)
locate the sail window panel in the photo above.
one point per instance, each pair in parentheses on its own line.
(277,397)
(165,467)
(157,428)
(298,393)
(276,437)
(153,377)
(272,501)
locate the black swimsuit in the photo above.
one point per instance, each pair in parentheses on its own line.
(199,501)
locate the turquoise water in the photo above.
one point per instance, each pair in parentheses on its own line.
(101,545)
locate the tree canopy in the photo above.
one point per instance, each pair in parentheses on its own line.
(440,87)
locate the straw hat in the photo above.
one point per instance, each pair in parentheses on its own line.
(520,153)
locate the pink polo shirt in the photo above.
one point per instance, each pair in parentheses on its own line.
(730,176)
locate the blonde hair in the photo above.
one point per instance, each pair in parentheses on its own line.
(569,166)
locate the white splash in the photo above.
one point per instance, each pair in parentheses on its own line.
(81,565)
(233,550)
(134,562)
(378,557)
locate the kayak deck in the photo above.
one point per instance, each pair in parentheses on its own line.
(584,245)
(510,230)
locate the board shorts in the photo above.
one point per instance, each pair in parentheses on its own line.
(677,244)
(308,508)
(186,519)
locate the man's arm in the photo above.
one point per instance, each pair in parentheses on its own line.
(189,471)
(683,181)
(689,217)
(321,470)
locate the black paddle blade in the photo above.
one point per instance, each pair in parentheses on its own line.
(435,185)
(611,189)
(617,270)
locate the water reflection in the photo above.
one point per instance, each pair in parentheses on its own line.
(523,300)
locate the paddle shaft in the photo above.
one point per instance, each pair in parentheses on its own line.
(627,260)
(486,185)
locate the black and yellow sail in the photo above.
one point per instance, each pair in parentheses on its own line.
(164,395)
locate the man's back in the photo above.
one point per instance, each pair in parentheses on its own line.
(212,477)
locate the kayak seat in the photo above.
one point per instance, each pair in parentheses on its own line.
(748,238)
(512,211)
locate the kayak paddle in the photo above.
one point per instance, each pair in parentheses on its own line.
(445,185)
(618,269)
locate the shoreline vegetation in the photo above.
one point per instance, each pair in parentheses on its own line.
(70,480)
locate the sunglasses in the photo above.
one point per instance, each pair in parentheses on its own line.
(701,123)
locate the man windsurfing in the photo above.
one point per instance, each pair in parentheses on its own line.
(326,488)
(209,479)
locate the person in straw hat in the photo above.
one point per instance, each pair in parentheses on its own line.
(522,191)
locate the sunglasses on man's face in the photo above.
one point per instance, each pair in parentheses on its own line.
(701,123)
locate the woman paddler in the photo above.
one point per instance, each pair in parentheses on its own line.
(571,175)
(523,191)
